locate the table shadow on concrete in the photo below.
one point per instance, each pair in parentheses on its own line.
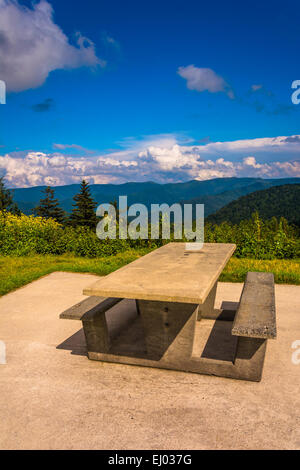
(75,343)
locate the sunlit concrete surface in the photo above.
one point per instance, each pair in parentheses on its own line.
(53,397)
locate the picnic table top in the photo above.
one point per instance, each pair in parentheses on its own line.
(168,274)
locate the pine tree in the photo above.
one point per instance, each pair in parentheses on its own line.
(6,199)
(115,204)
(83,213)
(49,207)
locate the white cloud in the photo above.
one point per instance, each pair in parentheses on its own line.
(282,146)
(170,158)
(221,161)
(204,79)
(32,46)
(251,161)
(208,174)
(161,159)
(290,168)
(106,161)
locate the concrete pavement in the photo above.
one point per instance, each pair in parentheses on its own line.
(53,397)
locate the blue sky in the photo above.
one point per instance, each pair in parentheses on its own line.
(137,91)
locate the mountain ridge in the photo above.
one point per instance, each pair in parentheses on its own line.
(277,201)
(214,193)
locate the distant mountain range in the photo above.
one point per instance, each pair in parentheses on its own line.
(215,193)
(279,201)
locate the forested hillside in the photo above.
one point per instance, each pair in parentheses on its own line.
(279,201)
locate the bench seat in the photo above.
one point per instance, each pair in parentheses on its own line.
(86,309)
(255,316)
(91,312)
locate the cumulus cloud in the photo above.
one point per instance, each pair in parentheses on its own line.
(204,79)
(163,158)
(251,161)
(32,46)
(39,168)
(170,158)
(265,147)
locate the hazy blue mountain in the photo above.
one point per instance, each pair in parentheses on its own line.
(214,193)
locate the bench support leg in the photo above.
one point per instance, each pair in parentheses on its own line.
(250,357)
(96,333)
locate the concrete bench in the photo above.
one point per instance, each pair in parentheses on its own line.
(91,312)
(254,323)
(255,316)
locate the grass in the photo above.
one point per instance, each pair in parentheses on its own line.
(16,272)
(286,271)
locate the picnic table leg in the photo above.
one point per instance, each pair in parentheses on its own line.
(207,310)
(96,333)
(162,322)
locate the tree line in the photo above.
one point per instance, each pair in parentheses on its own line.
(53,232)
(82,214)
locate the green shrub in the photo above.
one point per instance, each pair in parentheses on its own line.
(258,239)
(255,238)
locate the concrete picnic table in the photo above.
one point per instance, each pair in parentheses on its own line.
(171,287)
(159,311)
(168,274)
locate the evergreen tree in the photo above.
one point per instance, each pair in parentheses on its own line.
(6,199)
(49,207)
(83,213)
(115,204)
